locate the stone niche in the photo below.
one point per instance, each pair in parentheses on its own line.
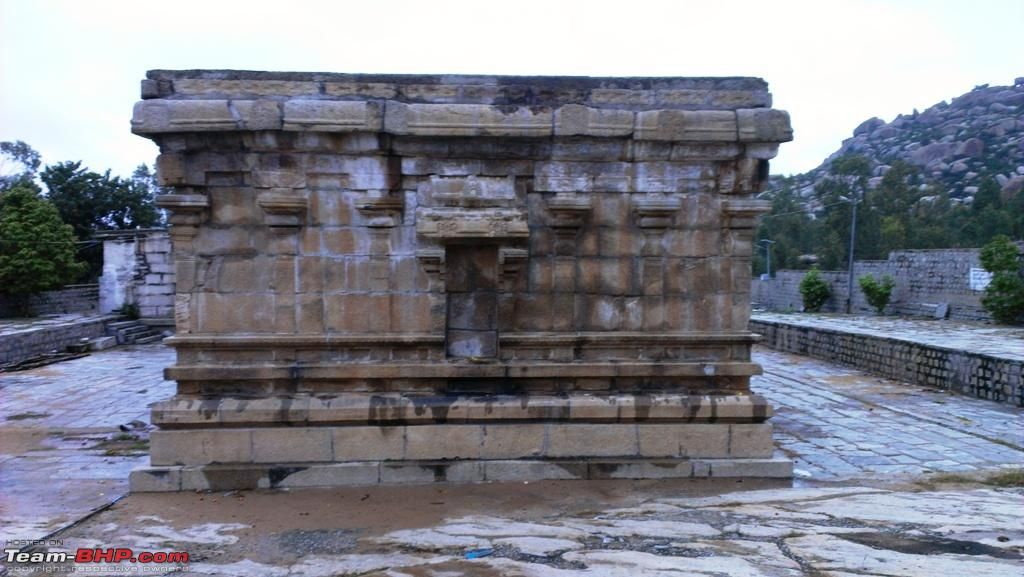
(394,279)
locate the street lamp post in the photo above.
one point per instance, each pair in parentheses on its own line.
(767,254)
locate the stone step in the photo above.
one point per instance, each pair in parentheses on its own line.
(153,338)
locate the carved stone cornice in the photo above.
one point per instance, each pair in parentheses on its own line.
(446,224)
(283,210)
(568,211)
(743,213)
(433,263)
(655,212)
(511,262)
(381,210)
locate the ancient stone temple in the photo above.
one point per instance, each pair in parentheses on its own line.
(398,279)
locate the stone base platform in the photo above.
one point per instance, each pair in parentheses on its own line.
(306,475)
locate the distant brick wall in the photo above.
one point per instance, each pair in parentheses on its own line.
(924,278)
(79,298)
(977,375)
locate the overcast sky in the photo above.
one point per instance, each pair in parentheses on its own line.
(70,70)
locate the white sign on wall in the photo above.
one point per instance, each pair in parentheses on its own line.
(979,279)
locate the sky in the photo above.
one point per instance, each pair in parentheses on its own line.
(70,69)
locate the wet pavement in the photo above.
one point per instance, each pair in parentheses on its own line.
(888,484)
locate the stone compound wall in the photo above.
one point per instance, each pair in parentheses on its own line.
(82,298)
(506,273)
(924,279)
(138,269)
(20,342)
(975,374)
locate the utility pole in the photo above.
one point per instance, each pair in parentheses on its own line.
(853,243)
(767,254)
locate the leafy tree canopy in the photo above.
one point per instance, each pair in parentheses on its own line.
(37,250)
(90,201)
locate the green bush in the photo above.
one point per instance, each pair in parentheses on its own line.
(37,250)
(814,290)
(877,293)
(1004,296)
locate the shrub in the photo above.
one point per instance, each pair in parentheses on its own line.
(877,293)
(37,250)
(814,290)
(1004,296)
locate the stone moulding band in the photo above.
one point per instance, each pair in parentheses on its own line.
(616,339)
(185,412)
(454,370)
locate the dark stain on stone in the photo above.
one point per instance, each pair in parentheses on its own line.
(926,545)
(231,479)
(440,472)
(643,407)
(603,470)
(208,408)
(282,413)
(278,474)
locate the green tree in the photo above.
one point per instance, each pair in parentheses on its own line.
(37,250)
(814,290)
(90,201)
(877,293)
(18,163)
(1004,296)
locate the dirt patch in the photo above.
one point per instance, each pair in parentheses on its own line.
(19,441)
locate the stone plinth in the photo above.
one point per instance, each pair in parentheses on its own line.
(388,278)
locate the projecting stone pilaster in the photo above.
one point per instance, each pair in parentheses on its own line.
(375,272)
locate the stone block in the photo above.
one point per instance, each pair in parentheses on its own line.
(404,473)
(229,477)
(170,169)
(332,475)
(200,447)
(465,120)
(686,126)
(751,441)
(778,468)
(244,87)
(683,440)
(577,120)
(518,471)
(258,114)
(763,125)
(433,442)
(158,116)
(333,115)
(292,445)
(154,480)
(361,89)
(368,443)
(513,441)
(591,440)
(653,469)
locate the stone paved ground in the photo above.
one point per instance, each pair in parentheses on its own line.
(863,503)
(62,453)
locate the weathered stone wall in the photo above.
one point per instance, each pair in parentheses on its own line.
(448,239)
(82,298)
(924,279)
(19,342)
(975,374)
(138,269)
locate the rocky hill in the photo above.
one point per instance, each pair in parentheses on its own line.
(957,145)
